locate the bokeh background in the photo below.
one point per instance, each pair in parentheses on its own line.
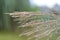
(8,27)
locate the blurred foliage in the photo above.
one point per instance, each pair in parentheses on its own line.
(9,6)
(22,5)
(35,9)
(27,24)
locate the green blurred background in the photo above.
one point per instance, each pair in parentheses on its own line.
(9,6)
